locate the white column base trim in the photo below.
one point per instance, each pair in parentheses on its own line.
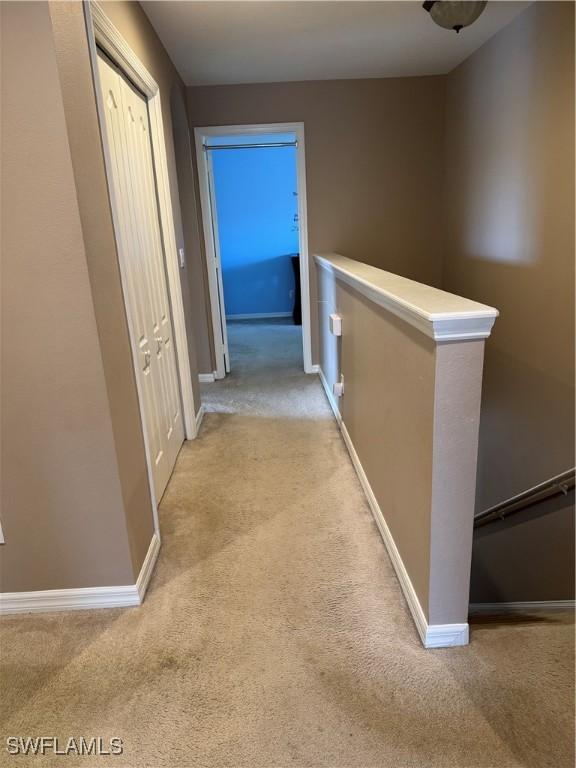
(43,601)
(314,368)
(199,417)
(445,635)
(432,635)
(536,606)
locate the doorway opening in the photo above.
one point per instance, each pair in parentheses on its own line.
(253,198)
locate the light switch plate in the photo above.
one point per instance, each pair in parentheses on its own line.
(181,258)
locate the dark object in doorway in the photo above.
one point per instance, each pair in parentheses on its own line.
(297,311)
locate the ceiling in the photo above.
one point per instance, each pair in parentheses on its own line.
(219,42)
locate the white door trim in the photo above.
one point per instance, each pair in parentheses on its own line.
(223,356)
(201,134)
(103,33)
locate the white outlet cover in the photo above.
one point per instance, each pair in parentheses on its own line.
(336,324)
(338,387)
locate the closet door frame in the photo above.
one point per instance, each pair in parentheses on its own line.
(103,34)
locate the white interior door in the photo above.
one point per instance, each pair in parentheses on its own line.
(218,263)
(133,191)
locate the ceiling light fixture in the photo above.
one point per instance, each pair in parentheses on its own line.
(454,15)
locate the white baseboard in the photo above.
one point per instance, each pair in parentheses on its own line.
(259,316)
(536,606)
(43,601)
(199,417)
(314,368)
(330,397)
(207,378)
(432,635)
(148,566)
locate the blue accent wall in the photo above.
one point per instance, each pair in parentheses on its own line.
(256,205)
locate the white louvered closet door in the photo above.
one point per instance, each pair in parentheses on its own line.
(133,190)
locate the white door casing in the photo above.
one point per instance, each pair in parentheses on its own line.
(209,227)
(223,338)
(140,245)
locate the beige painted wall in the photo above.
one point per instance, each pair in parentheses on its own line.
(411,407)
(388,409)
(77,94)
(72,464)
(510,243)
(196,274)
(76,508)
(526,557)
(62,499)
(502,233)
(373,163)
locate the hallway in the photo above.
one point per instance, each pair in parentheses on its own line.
(274,632)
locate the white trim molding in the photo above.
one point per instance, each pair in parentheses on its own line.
(199,417)
(259,316)
(207,378)
(330,397)
(202,134)
(432,635)
(148,567)
(47,600)
(43,601)
(535,606)
(442,316)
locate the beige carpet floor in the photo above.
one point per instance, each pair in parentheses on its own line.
(274,632)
